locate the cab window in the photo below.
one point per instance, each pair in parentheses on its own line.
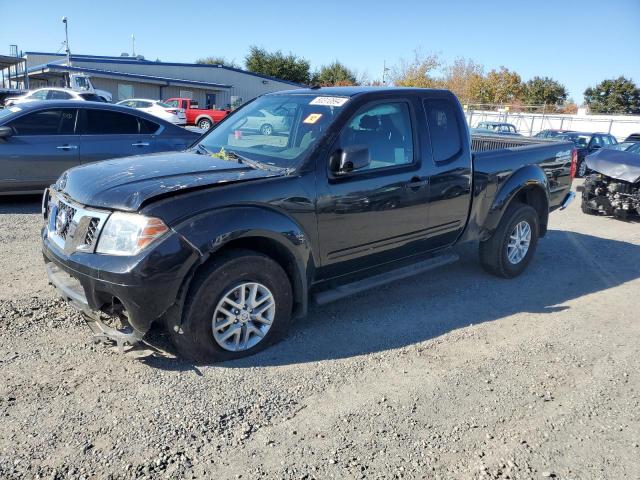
(385,128)
(444,129)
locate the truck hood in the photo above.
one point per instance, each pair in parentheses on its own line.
(616,164)
(128,183)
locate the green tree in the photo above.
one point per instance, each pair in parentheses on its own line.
(619,95)
(461,77)
(334,74)
(544,90)
(218,61)
(276,64)
(503,86)
(419,72)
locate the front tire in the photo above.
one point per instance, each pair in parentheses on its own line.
(237,306)
(510,249)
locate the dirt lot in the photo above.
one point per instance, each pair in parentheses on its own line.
(454,374)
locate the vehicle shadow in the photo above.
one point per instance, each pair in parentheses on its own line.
(567,266)
(20,204)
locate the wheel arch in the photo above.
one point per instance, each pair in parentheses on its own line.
(528,185)
(204,115)
(261,230)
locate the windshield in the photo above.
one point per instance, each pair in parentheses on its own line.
(165,105)
(277,130)
(577,139)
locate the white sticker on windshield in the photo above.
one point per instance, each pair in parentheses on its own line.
(329,101)
(15,109)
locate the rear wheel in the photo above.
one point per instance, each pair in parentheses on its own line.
(238,306)
(205,123)
(582,169)
(510,249)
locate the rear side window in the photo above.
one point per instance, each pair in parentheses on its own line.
(106,122)
(444,129)
(147,126)
(46,122)
(58,95)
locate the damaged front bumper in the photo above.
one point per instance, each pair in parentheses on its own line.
(132,292)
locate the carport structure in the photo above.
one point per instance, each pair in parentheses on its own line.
(13,73)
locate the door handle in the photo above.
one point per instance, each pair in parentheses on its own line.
(140,144)
(415,183)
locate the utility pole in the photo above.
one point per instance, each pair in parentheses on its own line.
(66,44)
(133,45)
(384,72)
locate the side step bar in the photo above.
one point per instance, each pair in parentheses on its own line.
(342,291)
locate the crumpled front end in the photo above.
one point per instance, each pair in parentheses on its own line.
(119,296)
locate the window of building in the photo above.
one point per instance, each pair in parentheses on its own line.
(186,94)
(125,91)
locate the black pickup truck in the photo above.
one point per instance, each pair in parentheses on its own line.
(225,243)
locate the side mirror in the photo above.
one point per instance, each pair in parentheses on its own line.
(353,157)
(6,132)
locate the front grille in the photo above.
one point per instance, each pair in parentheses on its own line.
(70,211)
(73,227)
(92,231)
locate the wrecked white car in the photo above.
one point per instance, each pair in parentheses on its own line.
(614,186)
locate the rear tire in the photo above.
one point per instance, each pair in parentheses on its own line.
(503,255)
(205,123)
(582,169)
(200,337)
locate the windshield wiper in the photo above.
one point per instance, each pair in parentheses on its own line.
(201,149)
(252,163)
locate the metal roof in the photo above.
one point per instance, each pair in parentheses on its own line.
(134,60)
(55,67)
(7,61)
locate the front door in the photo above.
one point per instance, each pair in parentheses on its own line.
(377,213)
(211,100)
(111,134)
(43,146)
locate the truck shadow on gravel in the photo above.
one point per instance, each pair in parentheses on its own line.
(566,267)
(12,204)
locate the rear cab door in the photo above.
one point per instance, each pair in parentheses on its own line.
(448,166)
(43,146)
(111,134)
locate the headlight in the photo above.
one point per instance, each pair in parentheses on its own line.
(129,233)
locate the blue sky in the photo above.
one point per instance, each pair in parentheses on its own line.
(578,43)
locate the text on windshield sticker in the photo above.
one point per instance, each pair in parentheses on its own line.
(329,101)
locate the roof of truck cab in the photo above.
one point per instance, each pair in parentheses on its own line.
(352,91)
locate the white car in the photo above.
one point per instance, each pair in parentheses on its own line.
(266,122)
(52,93)
(177,116)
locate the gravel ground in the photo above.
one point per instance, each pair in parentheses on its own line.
(453,374)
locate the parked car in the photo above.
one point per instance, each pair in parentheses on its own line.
(614,186)
(52,93)
(157,109)
(266,122)
(626,145)
(498,127)
(587,143)
(40,140)
(634,137)
(200,117)
(228,241)
(551,133)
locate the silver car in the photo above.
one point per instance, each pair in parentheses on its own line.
(40,140)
